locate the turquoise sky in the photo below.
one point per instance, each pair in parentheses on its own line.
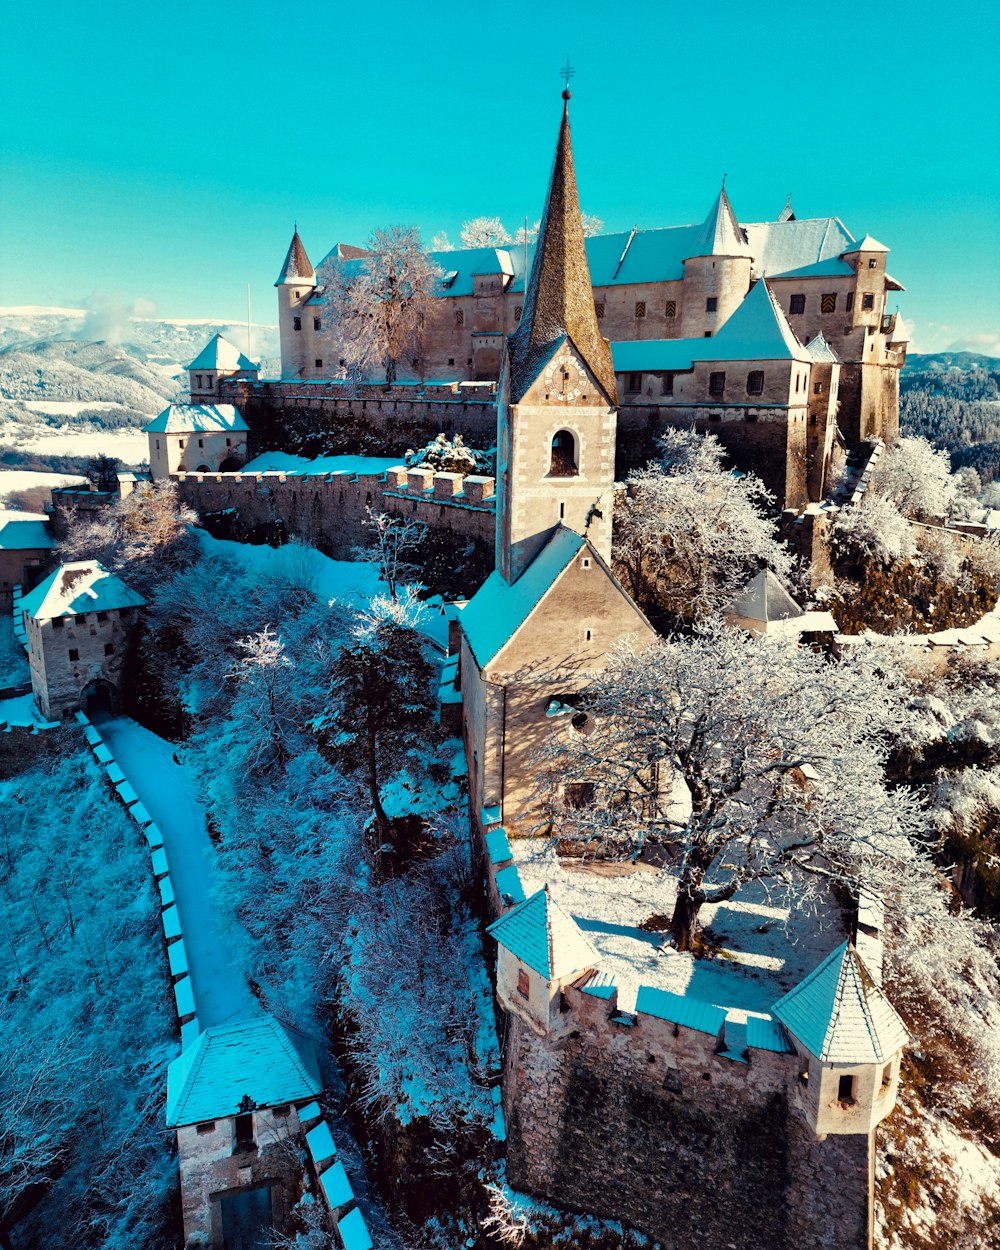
(160,153)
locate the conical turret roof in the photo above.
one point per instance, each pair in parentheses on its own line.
(559,302)
(540,934)
(840,1014)
(720,233)
(297,268)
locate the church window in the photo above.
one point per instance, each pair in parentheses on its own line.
(717,383)
(523,983)
(517,314)
(712,304)
(755,382)
(296,323)
(460,316)
(845,1089)
(668,384)
(867,302)
(563,461)
(797,304)
(599,309)
(828,302)
(634,383)
(640,309)
(74,654)
(671,308)
(317,323)
(579,794)
(872,263)
(850,300)
(319,362)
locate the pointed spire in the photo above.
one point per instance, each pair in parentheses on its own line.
(559,300)
(297,269)
(787,213)
(720,233)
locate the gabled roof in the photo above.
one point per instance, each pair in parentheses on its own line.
(867,244)
(29,534)
(540,934)
(498,609)
(757,330)
(263,1059)
(720,233)
(821,351)
(840,1015)
(494,260)
(73,589)
(764,599)
(559,301)
(219,353)
(198,419)
(297,270)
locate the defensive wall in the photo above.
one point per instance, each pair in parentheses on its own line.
(327,510)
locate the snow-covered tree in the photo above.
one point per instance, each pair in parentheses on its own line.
(484,232)
(393,541)
(449,455)
(441,243)
(262,669)
(592,224)
(689,534)
(917,478)
(377,307)
(874,530)
(692,754)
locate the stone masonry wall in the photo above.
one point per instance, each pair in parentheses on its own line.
(643,1122)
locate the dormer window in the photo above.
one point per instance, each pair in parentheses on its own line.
(563,461)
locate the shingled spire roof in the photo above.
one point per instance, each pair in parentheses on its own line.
(297,268)
(560,300)
(721,234)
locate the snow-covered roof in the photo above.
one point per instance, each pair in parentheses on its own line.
(83,586)
(654,255)
(27,535)
(821,351)
(787,213)
(540,934)
(494,260)
(720,233)
(840,1015)
(832,267)
(764,599)
(219,353)
(867,244)
(322,466)
(297,269)
(757,330)
(198,419)
(498,610)
(263,1059)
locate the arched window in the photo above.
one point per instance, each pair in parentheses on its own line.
(563,455)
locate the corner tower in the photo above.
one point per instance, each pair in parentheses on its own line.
(296,284)
(556,399)
(717,273)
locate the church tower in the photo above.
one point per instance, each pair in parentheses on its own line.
(296,284)
(556,399)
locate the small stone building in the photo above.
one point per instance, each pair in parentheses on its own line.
(217,360)
(25,549)
(203,438)
(233,1098)
(78,622)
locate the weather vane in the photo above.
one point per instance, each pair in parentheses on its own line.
(567,72)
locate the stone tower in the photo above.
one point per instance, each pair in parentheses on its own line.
(556,399)
(717,273)
(296,284)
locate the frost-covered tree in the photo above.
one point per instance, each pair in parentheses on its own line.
(692,754)
(378,307)
(917,478)
(484,232)
(689,534)
(392,541)
(449,455)
(262,669)
(873,530)
(379,701)
(441,243)
(592,224)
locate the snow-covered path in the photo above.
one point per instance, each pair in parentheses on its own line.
(167,790)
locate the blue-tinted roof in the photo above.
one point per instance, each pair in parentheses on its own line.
(832,267)
(354,1231)
(498,610)
(509,884)
(540,934)
(336,1186)
(599,985)
(198,419)
(28,535)
(219,353)
(270,1062)
(763,1033)
(679,1009)
(77,588)
(497,846)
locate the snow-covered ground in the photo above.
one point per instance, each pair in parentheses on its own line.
(131,447)
(24,479)
(334,466)
(167,790)
(766,944)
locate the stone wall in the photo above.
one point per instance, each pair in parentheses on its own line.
(69,654)
(638,1120)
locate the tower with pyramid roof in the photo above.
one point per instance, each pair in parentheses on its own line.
(717,271)
(296,286)
(556,399)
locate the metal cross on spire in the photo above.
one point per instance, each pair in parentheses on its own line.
(566,73)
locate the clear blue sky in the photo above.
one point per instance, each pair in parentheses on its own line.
(160,152)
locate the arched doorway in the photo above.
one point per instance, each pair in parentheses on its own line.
(231,464)
(99,699)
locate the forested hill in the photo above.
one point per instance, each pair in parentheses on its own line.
(953,399)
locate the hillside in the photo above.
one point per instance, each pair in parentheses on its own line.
(953,399)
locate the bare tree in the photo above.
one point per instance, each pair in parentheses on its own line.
(696,756)
(378,305)
(392,540)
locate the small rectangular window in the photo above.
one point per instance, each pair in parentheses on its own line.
(708,334)
(201,442)
(102,616)
(717,383)
(109,648)
(451,360)
(523,983)
(712,304)
(459,317)
(817,388)
(74,654)
(296,323)
(634,383)
(319,362)
(867,302)
(886,1076)
(244,1132)
(207,1126)
(668,384)
(845,1089)
(755,382)
(828,303)
(797,304)
(850,300)
(317,323)
(57,622)
(579,794)
(588,635)
(282,1112)
(586,562)
(671,308)
(640,309)
(872,263)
